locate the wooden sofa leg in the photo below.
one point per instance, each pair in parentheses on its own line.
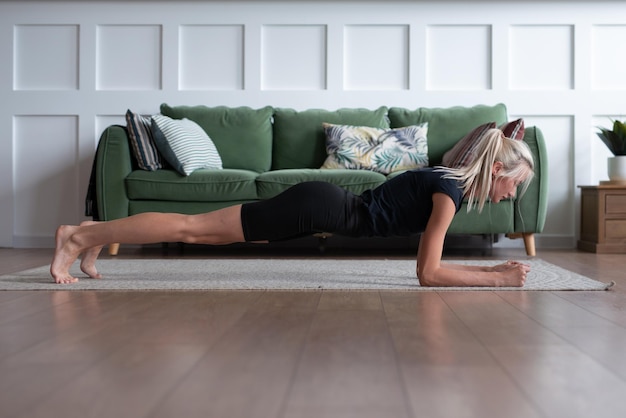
(529,242)
(114,248)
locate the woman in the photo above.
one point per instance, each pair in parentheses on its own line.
(418,201)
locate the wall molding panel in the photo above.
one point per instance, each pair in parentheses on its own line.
(210,57)
(71,68)
(472,48)
(376,57)
(53,47)
(550,45)
(128,57)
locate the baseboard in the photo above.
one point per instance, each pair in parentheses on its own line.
(22,241)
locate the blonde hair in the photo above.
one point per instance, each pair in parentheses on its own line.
(477,178)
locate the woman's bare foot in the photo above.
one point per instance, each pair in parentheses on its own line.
(88,262)
(64,255)
(89,257)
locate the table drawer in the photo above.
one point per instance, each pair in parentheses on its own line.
(615,204)
(615,229)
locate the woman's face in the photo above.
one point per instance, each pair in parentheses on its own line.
(503,187)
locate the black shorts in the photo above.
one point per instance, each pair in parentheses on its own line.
(305,209)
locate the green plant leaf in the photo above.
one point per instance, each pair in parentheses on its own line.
(615,139)
(620,130)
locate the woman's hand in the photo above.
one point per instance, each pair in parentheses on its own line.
(508,265)
(513,273)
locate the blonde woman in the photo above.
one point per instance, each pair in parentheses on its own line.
(417,201)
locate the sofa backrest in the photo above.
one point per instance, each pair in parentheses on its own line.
(242,135)
(446,126)
(299,140)
(282,138)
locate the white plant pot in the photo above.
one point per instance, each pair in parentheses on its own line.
(617,168)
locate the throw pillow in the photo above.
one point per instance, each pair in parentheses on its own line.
(142,142)
(376,149)
(514,129)
(463,151)
(184,144)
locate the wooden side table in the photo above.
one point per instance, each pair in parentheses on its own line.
(603,218)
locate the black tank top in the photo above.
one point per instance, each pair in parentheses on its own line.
(402,206)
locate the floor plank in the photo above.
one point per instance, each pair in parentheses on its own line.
(551,371)
(249,370)
(117,386)
(563,382)
(582,329)
(447,370)
(348,367)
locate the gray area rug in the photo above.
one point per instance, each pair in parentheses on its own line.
(285,274)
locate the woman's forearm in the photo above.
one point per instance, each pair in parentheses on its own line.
(455,275)
(509,275)
(465,267)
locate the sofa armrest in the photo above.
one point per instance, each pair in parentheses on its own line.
(531,208)
(113,164)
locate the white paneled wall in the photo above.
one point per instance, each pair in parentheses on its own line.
(69,69)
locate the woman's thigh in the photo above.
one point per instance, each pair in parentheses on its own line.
(301,210)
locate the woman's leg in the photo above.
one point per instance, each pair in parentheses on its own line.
(219,227)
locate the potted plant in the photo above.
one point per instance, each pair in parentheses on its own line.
(615,140)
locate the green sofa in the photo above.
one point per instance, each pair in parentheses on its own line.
(264,151)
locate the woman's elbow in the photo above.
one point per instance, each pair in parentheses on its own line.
(426,279)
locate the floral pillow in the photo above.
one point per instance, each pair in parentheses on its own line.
(376,149)
(463,151)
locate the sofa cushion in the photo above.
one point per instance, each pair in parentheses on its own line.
(242,135)
(184,144)
(140,134)
(446,126)
(376,149)
(299,140)
(201,186)
(271,183)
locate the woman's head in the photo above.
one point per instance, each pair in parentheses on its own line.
(499,166)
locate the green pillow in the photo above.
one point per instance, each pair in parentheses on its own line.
(446,126)
(242,135)
(299,140)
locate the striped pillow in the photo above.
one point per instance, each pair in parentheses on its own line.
(463,151)
(184,144)
(144,148)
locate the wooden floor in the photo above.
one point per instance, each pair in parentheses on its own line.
(385,354)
